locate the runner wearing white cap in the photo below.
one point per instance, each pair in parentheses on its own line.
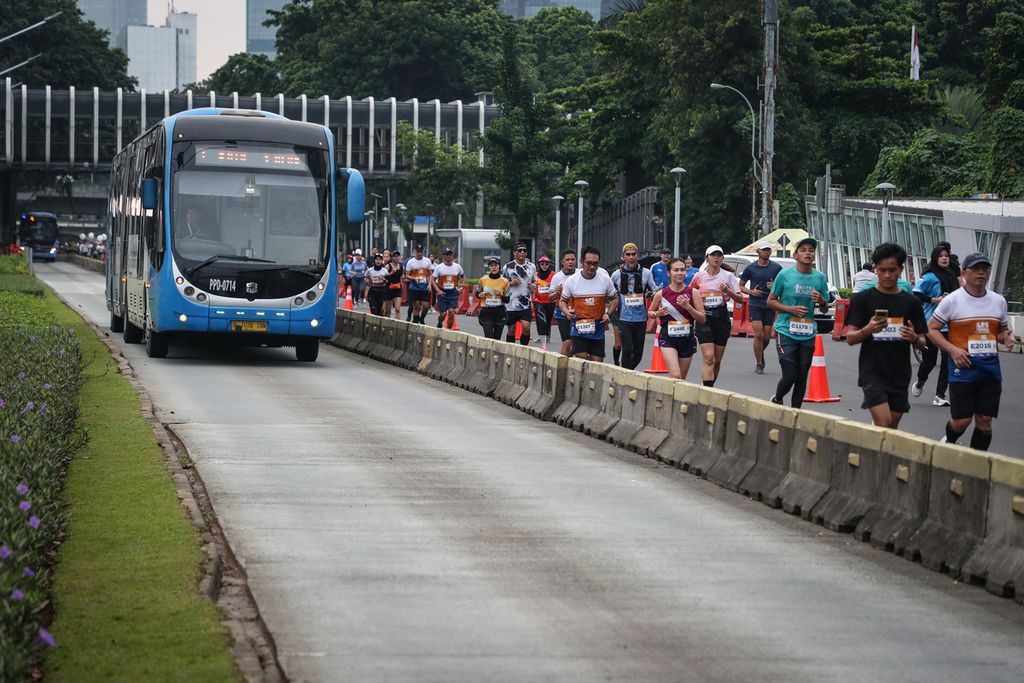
(714,284)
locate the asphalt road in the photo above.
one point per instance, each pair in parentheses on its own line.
(737,375)
(394,528)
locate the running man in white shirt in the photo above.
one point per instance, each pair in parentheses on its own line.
(448,280)
(588,296)
(519,309)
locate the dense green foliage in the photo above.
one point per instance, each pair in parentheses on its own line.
(72,51)
(243,73)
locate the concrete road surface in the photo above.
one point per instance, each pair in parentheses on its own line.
(397,529)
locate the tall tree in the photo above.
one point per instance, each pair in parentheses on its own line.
(444,49)
(245,74)
(71,51)
(561,47)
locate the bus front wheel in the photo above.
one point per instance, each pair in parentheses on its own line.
(156,344)
(306,350)
(132,333)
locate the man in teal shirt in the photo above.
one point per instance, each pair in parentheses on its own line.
(794,294)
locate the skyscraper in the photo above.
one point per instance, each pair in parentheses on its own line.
(115,16)
(163,57)
(259,39)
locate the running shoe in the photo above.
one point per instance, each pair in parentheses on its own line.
(917,389)
(772,400)
(759,369)
(940,401)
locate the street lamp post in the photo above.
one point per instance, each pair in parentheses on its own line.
(460,205)
(582,186)
(558,199)
(758,170)
(401,209)
(386,211)
(367,233)
(887,190)
(677,173)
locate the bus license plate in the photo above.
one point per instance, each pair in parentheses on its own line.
(248,326)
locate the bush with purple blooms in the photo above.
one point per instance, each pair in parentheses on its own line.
(40,376)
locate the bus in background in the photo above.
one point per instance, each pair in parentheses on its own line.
(222,222)
(39,232)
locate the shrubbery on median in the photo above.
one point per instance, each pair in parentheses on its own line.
(40,375)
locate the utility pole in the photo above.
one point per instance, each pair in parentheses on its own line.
(770,14)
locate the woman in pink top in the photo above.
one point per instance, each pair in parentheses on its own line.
(677,308)
(716,285)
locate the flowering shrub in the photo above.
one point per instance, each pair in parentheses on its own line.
(40,375)
(13,263)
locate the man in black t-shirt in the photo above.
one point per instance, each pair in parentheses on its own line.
(886,321)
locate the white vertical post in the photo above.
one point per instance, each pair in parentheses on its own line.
(120,113)
(348,131)
(373,135)
(49,110)
(142,110)
(8,121)
(394,133)
(234,99)
(259,102)
(437,121)
(95,127)
(188,99)
(483,108)
(71,126)
(213,99)
(167,103)
(458,124)
(327,111)
(24,124)
(280,104)
(302,100)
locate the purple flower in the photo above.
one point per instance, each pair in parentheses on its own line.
(15,438)
(47,386)
(47,639)
(22,489)
(2,403)
(17,595)
(5,552)
(61,352)
(30,405)
(25,506)
(31,337)
(33,522)
(21,375)
(43,410)
(28,572)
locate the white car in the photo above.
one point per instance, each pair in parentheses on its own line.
(740,261)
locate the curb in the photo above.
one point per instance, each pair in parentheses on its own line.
(224,582)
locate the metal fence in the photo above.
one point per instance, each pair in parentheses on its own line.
(634,218)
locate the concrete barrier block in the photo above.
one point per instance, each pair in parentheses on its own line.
(591,395)
(571,391)
(683,427)
(356,323)
(810,464)
(431,342)
(479,358)
(439,357)
(904,477)
(370,335)
(854,487)
(536,399)
(710,425)
(380,347)
(613,392)
(739,454)
(998,562)
(415,347)
(957,509)
(657,416)
(553,385)
(513,373)
(632,408)
(401,338)
(772,449)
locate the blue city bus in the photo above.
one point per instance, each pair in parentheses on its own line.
(39,232)
(222,222)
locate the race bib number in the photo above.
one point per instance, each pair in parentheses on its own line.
(377,280)
(492,302)
(803,327)
(981,345)
(586,326)
(448,285)
(421,280)
(891,331)
(543,289)
(633,300)
(678,328)
(713,300)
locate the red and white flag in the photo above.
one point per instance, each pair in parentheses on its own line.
(915,56)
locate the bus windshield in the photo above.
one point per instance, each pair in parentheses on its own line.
(39,230)
(254,201)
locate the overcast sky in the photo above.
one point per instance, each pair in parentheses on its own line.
(221,28)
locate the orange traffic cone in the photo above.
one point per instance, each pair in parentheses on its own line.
(455,322)
(657,362)
(817,389)
(519,330)
(348,298)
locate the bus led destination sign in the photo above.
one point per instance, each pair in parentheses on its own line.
(249,157)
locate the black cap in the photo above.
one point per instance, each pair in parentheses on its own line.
(975,259)
(378,256)
(494,259)
(522,245)
(447,250)
(419,247)
(807,240)
(396,253)
(666,251)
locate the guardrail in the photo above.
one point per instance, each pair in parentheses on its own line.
(951,508)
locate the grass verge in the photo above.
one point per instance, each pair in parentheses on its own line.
(126,599)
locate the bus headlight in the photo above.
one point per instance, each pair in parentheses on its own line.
(298,301)
(189,291)
(183,318)
(314,322)
(180,280)
(53,250)
(200,297)
(320,286)
(311,295)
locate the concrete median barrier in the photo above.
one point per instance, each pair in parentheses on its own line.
(957,509)
(709,430)
(479,358)
(904,476)
(998,563)
(572,391)
(632,409)
(657,416)
(683,428)
(414,347)
(513,373)
(371,335)
(431,341)
(771,450)
(591,395)
(853,488)
(739,454)
(810,464)
(545,376)
(398,343)
(381,350)
(613,393)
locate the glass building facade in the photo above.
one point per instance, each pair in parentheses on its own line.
(163,57)
(259,39)
(115,16)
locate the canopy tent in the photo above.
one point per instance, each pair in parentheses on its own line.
(782,240)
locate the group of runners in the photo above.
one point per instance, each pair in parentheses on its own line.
(950,314)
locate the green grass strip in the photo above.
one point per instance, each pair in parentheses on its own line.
(126,599)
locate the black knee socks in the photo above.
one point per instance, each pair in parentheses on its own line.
(709,382)
(952,435)
(524,339)
(616,353)
(981,440)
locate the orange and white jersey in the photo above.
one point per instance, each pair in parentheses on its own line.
(974,325)
(588,297)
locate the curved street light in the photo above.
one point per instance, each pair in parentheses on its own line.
(677,173)
(582,186)
(558,199)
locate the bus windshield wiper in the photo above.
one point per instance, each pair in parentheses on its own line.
(232,257)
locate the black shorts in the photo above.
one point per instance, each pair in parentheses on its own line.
(763,314)
(593,347)
(418,295)
(523,316)
(394,293)
(715,331)
(876,394)
(564,328)
(967,399)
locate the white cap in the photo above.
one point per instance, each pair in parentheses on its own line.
(764,244)
(358,252)
(712,249)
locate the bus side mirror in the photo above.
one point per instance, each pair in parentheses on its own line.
(356,194)
(150,195)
